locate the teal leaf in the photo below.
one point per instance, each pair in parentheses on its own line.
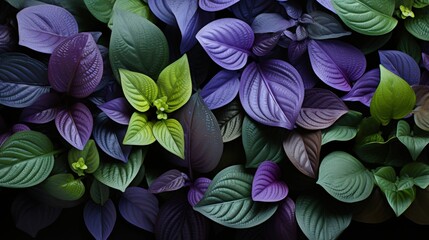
(64,186)
(100,9)
(134,6)
(230,119)
(169,133)
(418,171)
(419,25)
(414,143)
(344,129)
(139,131)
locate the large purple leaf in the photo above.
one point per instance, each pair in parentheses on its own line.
(75,124)
(43,110)
(272,93)
(249,9)
(215,5)
(76,66)
(43,27)
(197,190)
(7,41)
(221,89)
(336,63)
(139,207)
(320,109)
(266,185)
(271,23)
(363,89)
(400,64)
(100,219)
(283,225)
(227,41)
(118,109)
(169,181)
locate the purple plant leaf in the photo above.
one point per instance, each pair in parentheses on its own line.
(271,23)
(227,41)
(266,185)
(292,8)
(76,66)
(43,27)
(162,11)
(139,207)
(75,124)
(400,64)
(265,43)
(43,110)
(7,41)
(221,89)
(272,93)
(118,109)
(303,66)
(336,63)
(197,190)
(296,50)
(100,219)
(363,89)
(327,4)
(215,5)
(248,10)
(320,109)
(169,181)
(283,225)
(425,60)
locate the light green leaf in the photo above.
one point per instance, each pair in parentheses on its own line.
(385,178)
(26,159)
(133,6)
(344,177)
(139,131)
(140,90)
(100,9)
(99,192)
(169,133)
(393,99)
(175,83)
(119,175)
(84,161)
(411,140)
(344,129)
(228,200)
(419,172)
(369,17)
(63,186)
(419,25)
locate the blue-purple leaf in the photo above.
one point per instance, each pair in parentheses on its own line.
(266,185)
(227,41)
(265,43)
(43,27)
(118,109)
(336,63)
(363,89)
(327,4)
(400,64)
(100,219)
(215,5)
(248,10)
(271,23)
(139,207)
(272,93)
(169,181)
(283,225)
(43,110)
(425,60)
(7,41)
(162,11)
(197,190)
(221,89)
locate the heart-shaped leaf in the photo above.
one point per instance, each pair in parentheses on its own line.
(169,181)
(282,225)
(100,219)
(266,185)
(64,186)
(197,190)
(363,89)
(84,161)
(411,139)
(221,89)
(100,9)
(400,64)
(43,110)
(215,5)
(169,133)
(118,110)
(230,119)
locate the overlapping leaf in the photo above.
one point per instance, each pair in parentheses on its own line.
(64,186)
(363,89)
(221,89)
(266,184)
(100,219)
(169,181)
(197,190)
(400,64)
(230,119)
(215,5)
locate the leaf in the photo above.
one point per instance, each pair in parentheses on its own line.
(43,110)
(162,11)
(100,219)
(221,89)
(139,131)
(418,26)
(26,159)
(44,27)
(76,66)
(344,129)
(393,99)
(266,184)
(227,41)
(119,175)
(418,171)
(64,186)
(303,150)
(215,5)
(248,10)
(169,181)
(99,192)
(417,211)
(228,200)
(344,177)
(271,23)
(117,109)
(133,6)
(411,140)
(369,17)
(89,155)
(272,93)
(265,44)
(400,64)
(282,225)
(230,119)
(421,112)
(169,133)
(363,89)
(197,190)
(100,9)
(324,26)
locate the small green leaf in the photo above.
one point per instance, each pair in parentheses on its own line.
(175,83)
(414,143)
(86,160)
(393,99)
(99,192)
(344,177)
(63,186)
(100,9)
(344,129)
(139,131)
(419,172)
(133,6)
(169,133)
(140,90)
(419,25)
(228,200)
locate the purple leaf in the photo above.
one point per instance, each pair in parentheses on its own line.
(169,181)
(215,5)
(221,89)
(162,11)
(139,207)
(327,4)
(100,219)
(303,66)
(75,124)
(283,225)
(320,109)
(363,89)
(336,63)
(293,9)
(272,92)
(425,60)
(118,109)
(400,64)
(266,185)
(76,66)
(227,41)
(197,190)
(7,41)
(43,110)
(43,27)
(271,23)
(265,43)
(296,50)
(248,10)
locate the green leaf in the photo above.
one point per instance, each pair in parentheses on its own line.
(26,159)
(419,25)
(393,99)
(228,200)
(420,3)
(63,186)
(414,143)
(344,177)
(418,212)
(139,131)
(400,199)
(133,6)
(140,90)
(408,44)
(138,45)
(84,161)
(100,9)
(169,133)
(230,119)
(344,129)
(119,175)
(385,178)
(369,17)
(418,171)
(99,192)
(175,83)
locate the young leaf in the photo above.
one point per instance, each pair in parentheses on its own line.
(363,89)
(400,64)
(418,26)
(197,190)
(169,181)
(230,119)
(64,186)
(411,140)
(169,133)
(221,89)
(100,9)
(100,219)
(215,5)
(266,184)
(418,171)
(84,161)
(139,131)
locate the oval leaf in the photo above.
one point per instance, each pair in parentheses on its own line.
(169,133)
(418,26)
(266,184)
(100,9)
(197,190)
(168,181)
(139,131)
(363,89)
(118,110)
(221,89)
(100,219)
(63,186)
(325,26)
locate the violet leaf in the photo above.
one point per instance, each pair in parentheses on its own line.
(139,131)
(215,5)
(266,184)
(265,43)
(336,63)
(271,23)
(303,66)
(221,89)
(325,26)
(118,109)
(44,27)
(169,181)
(230,119)
(327,4)
(272,93)
(248,10)
(43,110)
(400,64)
(139,207)
(227,41)
(283,225)
(169,133)
(425,60)
(197,190)
(100,219)
(297,50)
(162,10)
(363,89)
